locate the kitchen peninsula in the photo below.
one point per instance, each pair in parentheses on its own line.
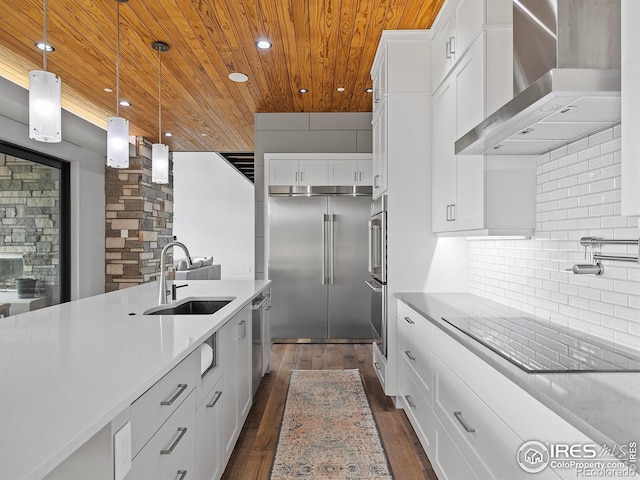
(70,370)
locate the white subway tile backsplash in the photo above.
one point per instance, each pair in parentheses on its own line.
(578,195)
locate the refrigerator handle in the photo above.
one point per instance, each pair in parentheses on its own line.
(370,248)
(325,218)
(332,222)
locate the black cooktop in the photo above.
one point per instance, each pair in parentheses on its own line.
(544,347)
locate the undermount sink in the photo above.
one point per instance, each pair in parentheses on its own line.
(190,307)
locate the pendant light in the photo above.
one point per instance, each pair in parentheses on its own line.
(160,152)
(117,127)
(45,113)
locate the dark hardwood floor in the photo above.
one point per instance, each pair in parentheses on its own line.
(255,450)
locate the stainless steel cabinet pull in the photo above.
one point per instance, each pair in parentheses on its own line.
(242,327)
(169,451)
(409,401)
(296,176)
(409,320)
(464,424)
(453,212)
(216,397)
(447,53)
(409,355)
(181,388)
(375,181)
(375,364)
(448,213)
(332,226)
(355,176)
(452,45)
(181,474)
(360,176)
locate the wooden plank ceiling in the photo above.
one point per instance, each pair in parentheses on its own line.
(317,44)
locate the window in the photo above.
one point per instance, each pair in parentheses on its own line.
(34,230)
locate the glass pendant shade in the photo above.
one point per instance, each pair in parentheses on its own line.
(45,114)
(117,142)
(159,163)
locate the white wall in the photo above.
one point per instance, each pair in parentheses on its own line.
(84,146)
(578,195)
(214,211)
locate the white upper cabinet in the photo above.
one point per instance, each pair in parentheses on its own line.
(476,195)
(319,169)
(457,27)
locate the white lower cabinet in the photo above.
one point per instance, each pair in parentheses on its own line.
(209,436)
(470,419)
(235,347)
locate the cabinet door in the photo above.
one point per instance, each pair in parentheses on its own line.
(444,166)
(379,78)
(380,153)
(469,20)
(442,59)
(343,172)
(469,209)
(283,172)
(229,399)
(365,172)
(312,172)
(209,465)
(244,365)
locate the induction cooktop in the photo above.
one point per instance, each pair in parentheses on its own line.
(544,347)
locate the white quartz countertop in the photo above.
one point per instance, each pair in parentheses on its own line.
(604,406)
(66,371)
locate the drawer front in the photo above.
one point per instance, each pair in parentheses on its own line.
(419,326)
(171,446)
(379,365)
(206,382)
(153,408)
(487,443)
(416,406)
(448,461)
(418,357)
(504,397)
(209,436)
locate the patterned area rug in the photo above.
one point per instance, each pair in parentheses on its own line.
(328,430)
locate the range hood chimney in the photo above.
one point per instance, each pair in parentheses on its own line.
(566,78)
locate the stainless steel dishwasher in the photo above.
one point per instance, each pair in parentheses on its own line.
(261,348)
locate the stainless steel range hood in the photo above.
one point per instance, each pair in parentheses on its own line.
(566,78)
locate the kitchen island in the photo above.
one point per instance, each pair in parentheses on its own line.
(69,370)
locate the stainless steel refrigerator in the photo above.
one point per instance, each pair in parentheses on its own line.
(318,264)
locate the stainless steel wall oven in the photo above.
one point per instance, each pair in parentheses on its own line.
(378,271)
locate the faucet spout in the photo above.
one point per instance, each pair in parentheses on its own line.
(162,295)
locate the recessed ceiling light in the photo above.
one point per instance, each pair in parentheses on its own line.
(340,89)
(40,45)
(369,90)
(204,134)
(303,90)
(238,77)
(108,90)
(168,134)
(263,44)
(125,103)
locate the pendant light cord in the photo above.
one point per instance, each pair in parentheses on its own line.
(117,58)
(160,97)
(46,45)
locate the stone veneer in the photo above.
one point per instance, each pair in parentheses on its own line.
(30,220)
(139,221)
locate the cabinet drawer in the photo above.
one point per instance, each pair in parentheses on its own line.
(504,397)
(416,406)
(419,326)
(487,443)
(418,357)
(379,365)
(153,408)
(205,382)
(448,461)
(173,445)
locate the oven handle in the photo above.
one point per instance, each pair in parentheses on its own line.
(372,285)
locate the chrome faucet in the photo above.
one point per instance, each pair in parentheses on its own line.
(162,297)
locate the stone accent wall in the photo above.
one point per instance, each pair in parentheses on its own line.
(30,220)
(139,221)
